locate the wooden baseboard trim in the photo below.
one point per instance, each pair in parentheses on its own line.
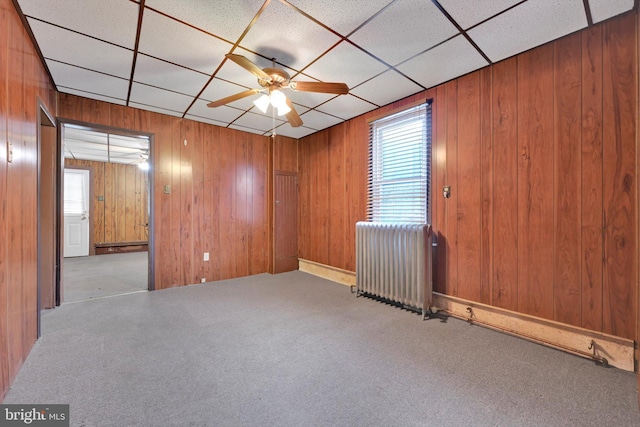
(618,352)
(344,277)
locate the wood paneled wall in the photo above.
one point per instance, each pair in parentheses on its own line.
(23,81)
(540,152)
(122,213)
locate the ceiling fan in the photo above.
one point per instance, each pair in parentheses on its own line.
(273,80)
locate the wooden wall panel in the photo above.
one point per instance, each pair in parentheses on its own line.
(5,375)
(121,215)
(591,198)
(285,154)
(469,212)
(567,179)
(22,81)
(535,182)
(505,184)
(550,137)
(620,75)
(486,185)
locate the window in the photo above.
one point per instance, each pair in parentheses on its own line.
(399,167)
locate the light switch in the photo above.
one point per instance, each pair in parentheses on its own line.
(167,189)
(206,256)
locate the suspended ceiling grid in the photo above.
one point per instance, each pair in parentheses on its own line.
(168,55)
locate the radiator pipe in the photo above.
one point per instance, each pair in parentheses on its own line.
(592,356)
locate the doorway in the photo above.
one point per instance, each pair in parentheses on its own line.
(107,211)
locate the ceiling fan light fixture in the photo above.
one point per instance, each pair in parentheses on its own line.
(283,110)
(262,103)
(278,100)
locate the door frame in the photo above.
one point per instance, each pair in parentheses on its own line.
(45,118)
(92,249)
(150,175)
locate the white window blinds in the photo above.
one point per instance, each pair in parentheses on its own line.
(399,167)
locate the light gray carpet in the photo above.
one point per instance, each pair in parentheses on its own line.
(296,350)
(104,275)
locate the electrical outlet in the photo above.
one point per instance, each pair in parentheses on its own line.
(206,256)
(203,280)
(167,189)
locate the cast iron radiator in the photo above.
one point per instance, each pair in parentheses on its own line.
(393,264)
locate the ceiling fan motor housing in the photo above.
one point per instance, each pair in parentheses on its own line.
(279,79)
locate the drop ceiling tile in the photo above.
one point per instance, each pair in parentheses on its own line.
(386,88)
(223,18)
(149,95)
(246,129)
(528,25)
(114,21)
(290,37)
(403,30)
(291,132)
(168,76)
(222,114)
(91,95)
(346,107)
(55,42)
(345,18)
(318,120)
(445,62)
(258,121)
(605,9)
(345,63)
(155,109)
(173,41)
(468,14)
(205,120)
(308,99)
(89,81)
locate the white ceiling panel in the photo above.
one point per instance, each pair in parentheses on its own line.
(468,14)
(258,121)
(346,107)
(155,109)
(386,88)
(308,99)
(226,19)
(168,76)
(88,81)
(222,114)
(403,30)
(605,9)
(114,21)
(246,129)
(72,48)
(296,43)
(206,120)
(345,63)
(291,132)
(218,89)
(173,41)
(91,95)
(528,25)
(345,18)
(165,99)
(317,120)
(445,62)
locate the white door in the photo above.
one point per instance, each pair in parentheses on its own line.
(76,212)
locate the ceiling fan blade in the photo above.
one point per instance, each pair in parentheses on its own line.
(232,98)
(293,117)
(337,88)
(249,66)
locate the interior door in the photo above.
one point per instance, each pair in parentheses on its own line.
(286,222)
(76,212)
